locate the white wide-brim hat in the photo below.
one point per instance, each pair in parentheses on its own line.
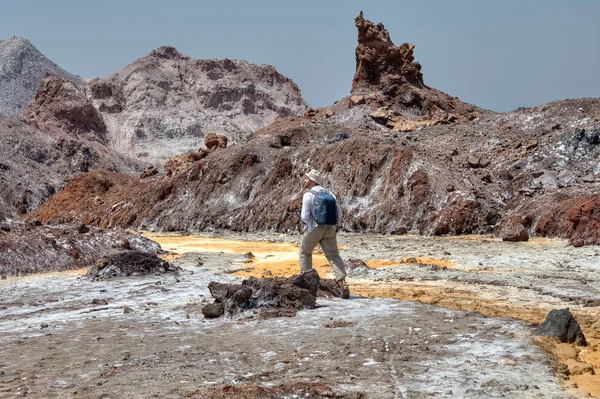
(315,176)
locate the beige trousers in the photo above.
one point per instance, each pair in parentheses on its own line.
(324,235)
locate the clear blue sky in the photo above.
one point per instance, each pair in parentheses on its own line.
(499,54)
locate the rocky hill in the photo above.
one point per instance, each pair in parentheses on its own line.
(400,156)
(22,68)
(165,103)
(35,164)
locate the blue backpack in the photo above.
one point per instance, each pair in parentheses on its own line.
(325,208)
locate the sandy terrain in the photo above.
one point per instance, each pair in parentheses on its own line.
(58,344)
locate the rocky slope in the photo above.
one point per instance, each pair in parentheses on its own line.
(33,248)
(22,68)
(35,164)
(165,103)
(445,167)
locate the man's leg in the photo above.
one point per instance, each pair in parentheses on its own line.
(330,249)
(309,242)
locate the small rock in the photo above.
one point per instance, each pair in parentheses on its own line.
(566,178)
(589,179)
(531,144)
(338,136)
(213,310)
(475,161)
(310,112)
(507,362)
(519,235)
(97,301)
(127,309)
(267,273)
(82,229)
(44,325)
(3,277)
(149,171)
(356,100)
(537,173)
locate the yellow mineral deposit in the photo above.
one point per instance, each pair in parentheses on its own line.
(579,366)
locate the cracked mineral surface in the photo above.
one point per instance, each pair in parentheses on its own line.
(460,327)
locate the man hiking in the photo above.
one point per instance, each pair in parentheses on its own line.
(321,213)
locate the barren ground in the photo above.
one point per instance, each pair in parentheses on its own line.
(462,329)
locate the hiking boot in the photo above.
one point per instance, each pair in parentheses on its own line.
(345,292)
(344,288)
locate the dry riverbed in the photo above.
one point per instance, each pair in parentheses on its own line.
(462,326)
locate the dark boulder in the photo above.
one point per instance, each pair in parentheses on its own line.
(562,325)
(269,297)
(129,263)
(213,310)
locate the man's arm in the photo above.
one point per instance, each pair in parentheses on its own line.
(307,201)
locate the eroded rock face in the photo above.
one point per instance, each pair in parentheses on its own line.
(165,103)
(388,79)
(379,63)
(62,106)
(34,165)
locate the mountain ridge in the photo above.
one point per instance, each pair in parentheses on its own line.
(22,68)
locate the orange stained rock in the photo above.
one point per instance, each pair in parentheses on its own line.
(425,260)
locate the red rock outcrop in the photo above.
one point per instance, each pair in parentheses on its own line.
(379,63)
(388,79)
(62,106)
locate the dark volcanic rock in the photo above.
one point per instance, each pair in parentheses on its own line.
(562,325)
(129,263)
(213,310)
(274,297)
